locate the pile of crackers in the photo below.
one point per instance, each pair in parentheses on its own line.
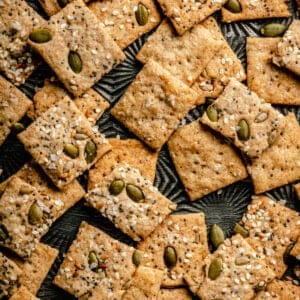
(187,62)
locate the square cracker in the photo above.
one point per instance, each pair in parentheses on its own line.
(204,162)
(115,267)
(279,164)
(242,271)
(13,107)
(145,284)
(297,190)
(183,55)
(91,103)
(154,104)
(296,250)
(253,9)
(288,49)
(18,19)
(76,28)
(238,103)
(272,228)
(185,14)
(187,235)
(46,138)
(269,82)
(171,294)
(135,218)
(22,293)
(9,276)
(131,152)
(118,19)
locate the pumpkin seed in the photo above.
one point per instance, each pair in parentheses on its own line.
(241,230)
(75,62)
(93,261)
(35,214)
(41,35)
(62,3)
(3,233)
(134,193)
(71,150)
(216,235)
(142,14)
(116,187)
(90,151)
(241,260)
(261,117)
(137,257)
(215,268)
(212,113)
(273,29)
(233,6)
(243,130)
(18,127)
(170,256)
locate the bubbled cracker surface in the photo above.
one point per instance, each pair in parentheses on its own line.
(237,102)
(171,294)
(279,164)
(118,19)
(46,137)
(235,281)
(137,220)
(272,228)
(129,151)
(203,161)
(269,82)
(23,294)
(257,9)
(154,104)
(183,55)
(187,234)
(75,275)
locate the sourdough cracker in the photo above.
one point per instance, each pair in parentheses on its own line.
(170,294)
(297,190)
(22,293)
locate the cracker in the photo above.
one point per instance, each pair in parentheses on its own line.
(236,280)
(91,103)
(185,14)
(297,190)
(253,9)
(136,219)
(269,82)
(47,136)
(154,104)
(296,250)
(115,264)
(145,284)
(272,228)
(118,19)
(9,276)
(288,49)
(181,56)
(279,164)
(171,294)
(18,19)
(131,152)
(13,107)
(203,162)
(76,28)
(187,234)
(22,293)
(238,103)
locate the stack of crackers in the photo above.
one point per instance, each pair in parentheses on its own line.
(187,62)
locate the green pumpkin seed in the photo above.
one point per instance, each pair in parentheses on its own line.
(71,150)
(170,256)
(215,268)
(90,151)
(261,117)
(233,6)
(212,113)
(273,29)
(243,130)
(62,3)
(216,235)
(241,230)
(75,62)
(18,127)
(41,35)
(93,261)
(134,193)
(137,257)
(241,260)
(116,187)
(3,233)
(142,14)
(35,214)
